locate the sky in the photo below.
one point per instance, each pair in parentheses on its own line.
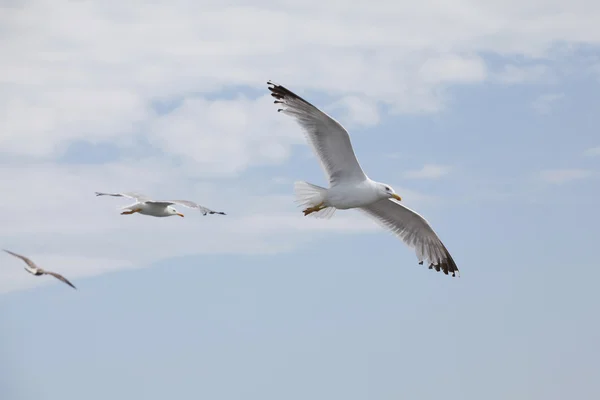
(482,115)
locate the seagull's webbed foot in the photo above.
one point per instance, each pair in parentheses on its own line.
(311,210)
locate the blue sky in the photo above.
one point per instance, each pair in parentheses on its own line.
(483,118)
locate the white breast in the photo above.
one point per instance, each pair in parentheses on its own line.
(355,195)
(154,210)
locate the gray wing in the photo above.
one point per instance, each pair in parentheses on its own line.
(60,277)
(190,204)
(130,195)
(415,231)
(328,138)
(27,260)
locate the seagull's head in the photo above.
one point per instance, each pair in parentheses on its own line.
(173,211)
(387,192)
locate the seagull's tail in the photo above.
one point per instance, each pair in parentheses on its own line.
(309,195)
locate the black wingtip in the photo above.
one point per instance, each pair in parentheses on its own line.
(217,212)
(447,266)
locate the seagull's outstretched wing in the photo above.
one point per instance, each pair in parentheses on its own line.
(27,260)
(328,138)
(415,231)
(130,195)
(189,204)
(60,277)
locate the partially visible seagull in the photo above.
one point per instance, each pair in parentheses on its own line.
(350,187)
(37,271)
(146,206)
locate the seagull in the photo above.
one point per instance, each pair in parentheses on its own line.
(146,206)
(37,271)
(350,187)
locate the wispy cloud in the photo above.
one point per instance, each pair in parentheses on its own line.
(224,137)
(67,228)
(544,103)
(429,171)
(592,152)
(513,74)
(357,111)
(49,100)
(453,68)
(60,87)
(560,176)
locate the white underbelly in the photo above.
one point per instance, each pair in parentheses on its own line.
(345,197)
(152,210)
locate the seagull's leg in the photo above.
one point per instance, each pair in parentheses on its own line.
(129,212)
(316,208)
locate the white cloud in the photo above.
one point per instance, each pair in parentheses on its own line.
(592,152)
(429,171)
(93,71)
(356,111)
(14,277)
(95,77)
(560,176)
(453,69)
(544,103)
(513,74)
(51,214)
(224,137)
(38,124)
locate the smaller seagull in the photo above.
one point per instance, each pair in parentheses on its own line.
(146,206)
(37,271)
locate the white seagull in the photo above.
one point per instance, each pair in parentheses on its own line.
(349,187)
(156,208)
(37,271)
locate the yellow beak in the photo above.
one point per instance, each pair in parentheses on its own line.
(180,214)
(395,196)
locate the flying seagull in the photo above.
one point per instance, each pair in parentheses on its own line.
(37,271)
(350,187)
(163,208)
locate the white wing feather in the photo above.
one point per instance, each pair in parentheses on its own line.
(189,204)
(130,195)
(415,231)
(328,138)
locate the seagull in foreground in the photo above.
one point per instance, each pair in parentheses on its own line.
(163,208)
(349,187)
(37,271)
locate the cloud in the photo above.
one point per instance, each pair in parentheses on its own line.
(96,77)
(51,214)
(453,69)
(513,74)
(560,176)
(429,171)
(356,111)
(14,277)
(225,137)
(99,79)
(592,152)
(544,103)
